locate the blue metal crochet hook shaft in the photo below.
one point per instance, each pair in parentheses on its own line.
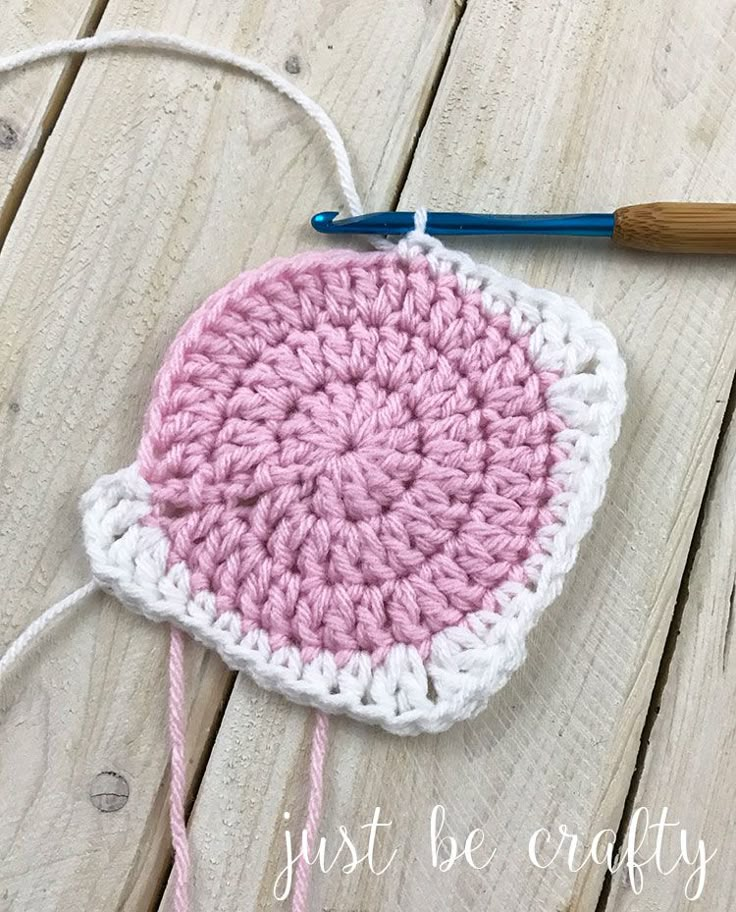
(594,224)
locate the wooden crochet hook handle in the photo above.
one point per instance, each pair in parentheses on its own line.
(677,227)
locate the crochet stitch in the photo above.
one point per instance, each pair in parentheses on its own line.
(363,476)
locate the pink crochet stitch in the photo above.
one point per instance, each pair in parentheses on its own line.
(350,453)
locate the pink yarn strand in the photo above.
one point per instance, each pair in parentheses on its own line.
(314,809)
(177,793)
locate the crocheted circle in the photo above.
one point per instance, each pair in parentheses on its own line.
(353,455)
(354,476)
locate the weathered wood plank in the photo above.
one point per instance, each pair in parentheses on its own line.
(144,202)
(30,103)
(688,764)
(543,106)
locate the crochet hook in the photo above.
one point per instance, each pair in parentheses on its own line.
(661,227)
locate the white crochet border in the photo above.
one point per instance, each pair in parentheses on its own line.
(467,664)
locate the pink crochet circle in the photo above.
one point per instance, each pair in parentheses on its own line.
(350,452)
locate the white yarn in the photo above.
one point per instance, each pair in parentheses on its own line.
(159,41)
(35,629)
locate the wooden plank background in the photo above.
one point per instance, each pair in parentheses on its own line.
(30,102)
(142,201)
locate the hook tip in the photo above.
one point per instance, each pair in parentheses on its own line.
(322,221)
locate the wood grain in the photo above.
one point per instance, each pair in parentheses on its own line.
(542,106)
(677,227)
(30,102)
(161,180)
(688,765)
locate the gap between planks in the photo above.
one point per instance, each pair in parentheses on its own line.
(461,6)
(668,653)
(26,168)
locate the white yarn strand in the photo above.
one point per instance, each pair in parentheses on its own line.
(160,41)
(36,628)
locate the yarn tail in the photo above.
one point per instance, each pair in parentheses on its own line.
(314,810)
(177,793)
(37,627)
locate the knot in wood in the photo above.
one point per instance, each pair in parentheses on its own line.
(109,791)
